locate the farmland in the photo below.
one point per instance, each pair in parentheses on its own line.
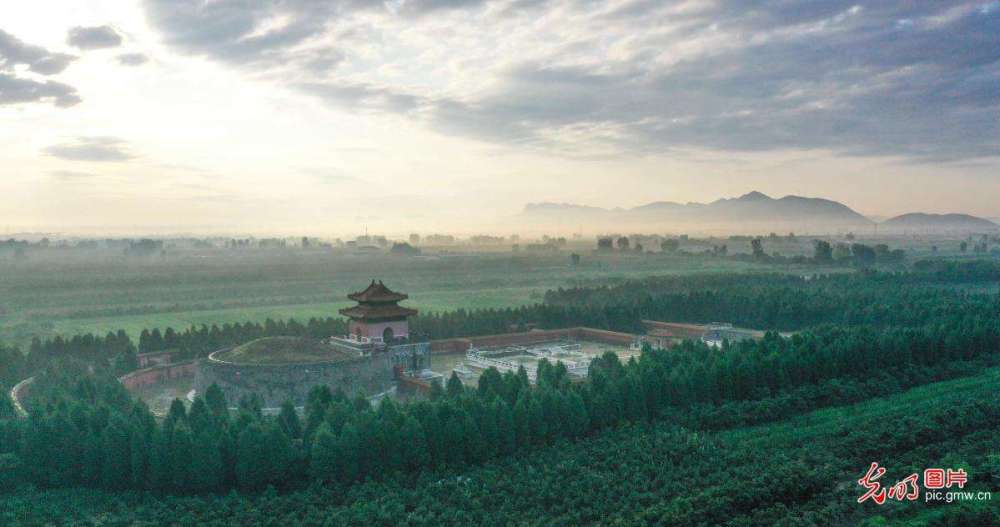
(70,294)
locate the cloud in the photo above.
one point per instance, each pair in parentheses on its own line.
(348,94)
(918,80)
(420,7)
(13,52)
(96,149)
(97,37)
(70,175)
(132,59)
(246,31)
(15,88)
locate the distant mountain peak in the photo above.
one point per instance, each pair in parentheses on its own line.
(754,196)
(930,222)
(753,211)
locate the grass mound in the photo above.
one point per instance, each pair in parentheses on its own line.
(282,350)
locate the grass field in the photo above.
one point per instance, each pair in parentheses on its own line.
(101,293)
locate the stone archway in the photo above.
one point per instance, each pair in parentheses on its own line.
(388,335)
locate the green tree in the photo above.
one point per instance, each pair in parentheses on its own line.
(141,433)
(216,401)
(206,460)
(436,391)
(414,443)
(176,414)
(252,466)
(181,458)
(324,459)
(822,252)
(455,387)
(288,420)
(200,418)
(350,449)
(491,384)
(757,249)
(116,448)
(280,455)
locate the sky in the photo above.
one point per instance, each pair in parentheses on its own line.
(328,118)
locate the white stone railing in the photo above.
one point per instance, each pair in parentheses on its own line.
(15,394)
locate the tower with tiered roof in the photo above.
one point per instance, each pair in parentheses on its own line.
(378,317)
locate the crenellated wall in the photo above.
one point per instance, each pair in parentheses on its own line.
(371,375)
(276,383)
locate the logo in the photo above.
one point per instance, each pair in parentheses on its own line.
(908,488)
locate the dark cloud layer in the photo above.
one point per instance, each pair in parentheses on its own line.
(914,79)
(228,29)
(96,149)
(97,37)
(18,89)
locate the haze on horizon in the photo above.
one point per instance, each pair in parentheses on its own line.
(296,116)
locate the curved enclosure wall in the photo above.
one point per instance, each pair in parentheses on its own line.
(276,383)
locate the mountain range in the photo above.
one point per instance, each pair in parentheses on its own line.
(754,212)
(919,221)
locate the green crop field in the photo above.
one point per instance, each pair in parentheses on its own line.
(101,293)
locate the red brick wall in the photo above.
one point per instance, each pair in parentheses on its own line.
(147,360)
(673,329)
(528,337)
(448,346)
(414,384)
(157,374)
(605,336)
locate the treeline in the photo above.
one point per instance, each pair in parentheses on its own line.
(785,302)
(93,434)
(771,301)
(201,340)
(13,367)
(115,353)
(634,475)
(776,301)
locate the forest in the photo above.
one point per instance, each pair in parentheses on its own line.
(866,336)
(797,472)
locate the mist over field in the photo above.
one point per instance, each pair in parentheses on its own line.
(499,262)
